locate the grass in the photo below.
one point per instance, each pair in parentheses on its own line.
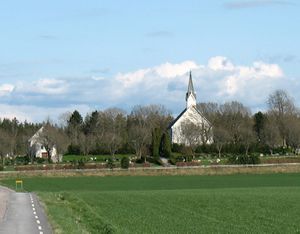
(97,158)
(9,168)
(171,204)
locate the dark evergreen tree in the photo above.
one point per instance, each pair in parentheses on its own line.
(156,140)
(90,123)
(259,124)
(75,119)
(165,149)
(74,128)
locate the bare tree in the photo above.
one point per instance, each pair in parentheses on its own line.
(63,119)
(281,106)
(5,148)
(233,115)
(139,138)
(293,132)
(210,111)
(142,121)
(53,138)
(86,143)
(221,137)
(116,124)
(271,134)
(247,135)
(152,116)
(192,134)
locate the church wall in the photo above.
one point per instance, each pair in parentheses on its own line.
(191,115)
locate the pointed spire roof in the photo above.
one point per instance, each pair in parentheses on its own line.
(190,87)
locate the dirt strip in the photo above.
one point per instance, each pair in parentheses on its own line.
(157,171)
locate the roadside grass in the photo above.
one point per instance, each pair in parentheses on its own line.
(94,158)
(171,204)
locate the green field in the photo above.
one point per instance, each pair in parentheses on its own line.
(171,204)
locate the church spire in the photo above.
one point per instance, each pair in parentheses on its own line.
(190,95)
(191,86)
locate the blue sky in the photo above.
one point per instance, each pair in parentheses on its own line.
(60,55)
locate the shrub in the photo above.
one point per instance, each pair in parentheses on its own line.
(172,160)
(125,163)
(110,163)
(176,158)
(177,148)
(1,168)
(40,160)
(80,164)
(22,160)
(244,159)
(74,149)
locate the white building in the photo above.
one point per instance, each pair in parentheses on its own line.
(38,150)
(190,115)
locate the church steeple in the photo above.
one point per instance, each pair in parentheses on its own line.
(190,94)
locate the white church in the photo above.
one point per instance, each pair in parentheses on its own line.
(190,115)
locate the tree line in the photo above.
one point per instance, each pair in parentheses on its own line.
(236,129)
(144,131)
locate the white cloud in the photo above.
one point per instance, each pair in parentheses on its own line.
(267,70)
(132,78)
(219,80)
(220,63)
(169,70)
(51,86)
(245,79)
(44,86)
(6,89)
(38,113)
(166,70)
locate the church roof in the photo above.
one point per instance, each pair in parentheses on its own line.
(181,114)
(178,117)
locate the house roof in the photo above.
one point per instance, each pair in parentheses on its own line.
(35,137)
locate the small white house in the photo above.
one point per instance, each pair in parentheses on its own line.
(190,114)
(38,150)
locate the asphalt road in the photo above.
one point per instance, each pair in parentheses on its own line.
(24,215)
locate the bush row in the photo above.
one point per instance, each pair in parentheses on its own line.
(77,166)
(231,148)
